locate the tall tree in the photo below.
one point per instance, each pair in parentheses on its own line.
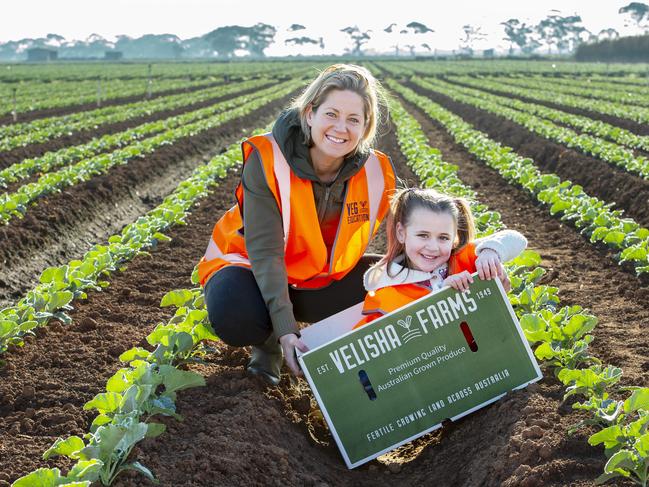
(260,36)
(419,28)
(574,33)
(471,35)
(520,34)
(639,14)
(563,32)
(549,30)
(301,41)
(388,29)
(359,38)
(408,36)
(227,40)
(607,34)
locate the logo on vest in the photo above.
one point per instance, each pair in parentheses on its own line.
(358,211)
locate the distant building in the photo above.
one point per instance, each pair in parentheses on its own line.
(488,53)
(113,55)
(40,54)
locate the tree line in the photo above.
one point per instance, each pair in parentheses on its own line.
(565,34)
(625,49)
(555,34)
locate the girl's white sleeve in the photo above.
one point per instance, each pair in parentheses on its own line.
(508,244)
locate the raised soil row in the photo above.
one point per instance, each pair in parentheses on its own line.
(82,107)
(240,432)
(598,178)
(81,137)
(635,127)
(65,225)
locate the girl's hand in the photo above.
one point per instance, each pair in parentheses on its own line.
(289,343)
(459,282)
(488,265)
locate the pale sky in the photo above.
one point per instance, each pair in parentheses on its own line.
(77,19)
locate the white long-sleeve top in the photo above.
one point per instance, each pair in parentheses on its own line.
(508,244)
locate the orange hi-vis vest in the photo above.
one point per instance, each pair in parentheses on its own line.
(308,264)
(387,299)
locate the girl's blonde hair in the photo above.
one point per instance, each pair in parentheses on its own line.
(405,201)
(345,77)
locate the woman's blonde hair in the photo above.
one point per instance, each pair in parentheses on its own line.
(405,201)
(345,77)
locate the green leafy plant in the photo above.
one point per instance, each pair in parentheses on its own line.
(16,204)
(134,395)
(627,442)
(60,285)
(562,334)
(69,155)
(593,216)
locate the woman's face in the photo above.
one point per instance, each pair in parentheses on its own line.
(337,125)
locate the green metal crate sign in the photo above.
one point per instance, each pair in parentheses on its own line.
(441,357)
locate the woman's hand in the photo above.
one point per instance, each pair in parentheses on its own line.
(289,343)
(460,281)
(489,266)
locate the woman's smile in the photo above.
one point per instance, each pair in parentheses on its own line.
(336,140)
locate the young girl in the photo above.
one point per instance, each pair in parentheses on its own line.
(431,245)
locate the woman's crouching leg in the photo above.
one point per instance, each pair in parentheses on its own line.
(236,308)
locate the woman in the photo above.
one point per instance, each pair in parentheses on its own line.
(312,195)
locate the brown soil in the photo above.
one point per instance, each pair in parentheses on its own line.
(45,384)
(122,100)
(76,138)
(635,127)
(65,225)
(586,275)
(636,152)
(598,178)
(239,432)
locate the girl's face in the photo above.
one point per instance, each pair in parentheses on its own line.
(337,125)
(428,238)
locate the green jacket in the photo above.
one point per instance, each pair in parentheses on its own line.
(263,229)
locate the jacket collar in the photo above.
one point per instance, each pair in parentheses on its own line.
(377,277)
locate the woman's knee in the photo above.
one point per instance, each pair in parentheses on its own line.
(224,324)
(235,307)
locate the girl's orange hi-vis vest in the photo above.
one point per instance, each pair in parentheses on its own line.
(387,299)
(307,262)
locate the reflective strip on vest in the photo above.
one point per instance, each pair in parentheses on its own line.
(307,263)
(214,252)
(283,176)
(375,186)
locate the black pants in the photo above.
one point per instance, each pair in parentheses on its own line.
(239,315)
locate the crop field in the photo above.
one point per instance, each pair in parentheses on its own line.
(112,176)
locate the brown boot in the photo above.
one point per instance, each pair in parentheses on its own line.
(266,360)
